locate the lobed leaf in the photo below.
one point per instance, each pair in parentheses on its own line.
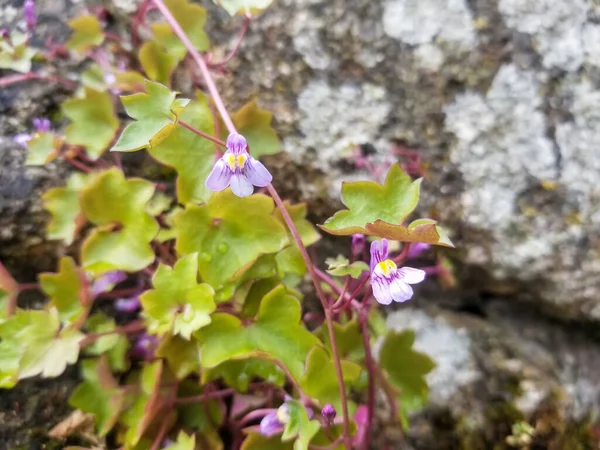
(43,148)
(276,333)
(110,201)
(239,373)
(178,303)
(156,112)
(300,427)
(243,7)
(192,19)
(191,155)
(184,442)
(113,345)
(93,121)
(65,290)
(87,33)
(255,125)
(157,62)
(341,266)
(229,233)
(15,54)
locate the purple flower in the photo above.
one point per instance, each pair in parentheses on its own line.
(238,169)
(144,347)
(22,139)
(41,125)
(106,282)
(358,244)
(274,422)
(328,413)
(389,282)
(128,305)
(416,249)
(30,16)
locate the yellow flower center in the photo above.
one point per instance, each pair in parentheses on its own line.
(386,267)
(235,162)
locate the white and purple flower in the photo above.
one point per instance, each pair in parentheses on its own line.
(30,15)
(389,282)
(236,168)
(274,422)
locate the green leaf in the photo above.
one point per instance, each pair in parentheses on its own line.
(308,233)
(112,201)
(113,345)
(198,415)
(277,332)
(42,149)
(129,81)
(156,113)
(182,355)
(15,54)
(229,233)
(94,78)
(157,62)
(348,338)
(244,7)
(405,368)
(340,266)
(65,289)
(9,364)
(66,217)
(178,303)
(9,291)
(299,427)
(192,18)
(239,373)
(184,442)
(93,121)
(45,348)
(99,394)
(379,210)
(320,381)
(256,441)
(87,33)
(255,125)
(192,156)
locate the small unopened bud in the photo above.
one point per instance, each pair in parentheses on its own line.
(30,16)
(41,125)
(328,413)
(417,249)
(128,305)
(358,244)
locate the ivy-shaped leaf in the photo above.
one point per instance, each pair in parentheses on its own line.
(93,121)
(255,125)
(15,54)
(192,156)
(319,380)
(299,427)
(62,203)
(87,33)
(277,333)
(129,81)
(178,303)
(65,289)
(192,18)
(94,78)
(340,266)
(113,345)
(99,394)
(43,347)
(379,210)
(244,7)
(308,232)
(184,442)
(239,373)
(348,338)
(229,233)
(183,356)
(43,148)
(157,62)
(110,201)
(156,112)
(405,368)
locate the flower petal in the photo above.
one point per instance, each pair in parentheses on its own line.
(236,143)
(240,185)
(270,425)
(411,275)
(220,177)
(257,173)
(375,251)
(381,291)
(400,291)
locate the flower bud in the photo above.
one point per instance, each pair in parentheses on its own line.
(128,305)
(328,413)
(358,244)
(30,16)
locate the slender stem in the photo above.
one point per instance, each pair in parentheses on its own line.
(254,415)
(210,84)
(234,50)
(78,165)
(205,396)
(161,434)
(9,284)
(331,446)
(17,78)
(28,286)
(201,133)
(364,328)
(328,315)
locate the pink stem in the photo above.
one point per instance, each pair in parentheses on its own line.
(210,84)
(371,378)
(17,78)
(201,133)
(234,50)
(206,396)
